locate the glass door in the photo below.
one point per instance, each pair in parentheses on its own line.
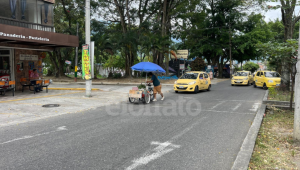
(5,65)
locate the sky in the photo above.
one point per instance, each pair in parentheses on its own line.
(274,14)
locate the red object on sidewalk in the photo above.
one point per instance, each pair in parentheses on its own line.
(6,79)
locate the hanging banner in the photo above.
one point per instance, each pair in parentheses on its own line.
(86,65)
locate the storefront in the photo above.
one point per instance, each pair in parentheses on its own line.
(26,35)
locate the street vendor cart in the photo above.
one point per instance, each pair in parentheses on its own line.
(145,92)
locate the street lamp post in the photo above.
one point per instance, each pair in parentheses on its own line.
(297,96)
(88,83)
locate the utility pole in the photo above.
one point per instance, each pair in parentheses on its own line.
(88,83)
(230,51)
(76,57)
(297,97)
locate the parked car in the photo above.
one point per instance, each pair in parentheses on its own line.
(267,79)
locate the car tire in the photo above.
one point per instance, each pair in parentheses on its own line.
(254,85)
(176,91)
(209,87)
(248,83)
(265,86)
(196,90)
(232,84)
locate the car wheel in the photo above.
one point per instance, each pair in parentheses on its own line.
(254,85)
(209,87)
(248,83)
(176,91)
(232,84)
(265,87)
(196,90)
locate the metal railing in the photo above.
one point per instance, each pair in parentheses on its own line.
(24,24)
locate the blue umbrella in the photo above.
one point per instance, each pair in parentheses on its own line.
(148,67)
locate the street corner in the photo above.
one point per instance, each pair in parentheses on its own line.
(25,107)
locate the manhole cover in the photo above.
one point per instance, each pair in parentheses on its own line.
(51,105)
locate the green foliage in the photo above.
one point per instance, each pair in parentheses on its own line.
(278,52)
(141,86)
(115,62)
(198,64)
(250,66)
(117,75)
(272,91)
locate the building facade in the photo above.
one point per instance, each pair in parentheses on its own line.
(26,33)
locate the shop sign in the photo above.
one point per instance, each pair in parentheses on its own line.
(181,54)
(86,65)
(209,67)
(29,57)
(4,34)
(68,62)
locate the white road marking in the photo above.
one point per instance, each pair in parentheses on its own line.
(237,106)
(28,136)
(217,111)
(255,107)
(161,149)
(217,105)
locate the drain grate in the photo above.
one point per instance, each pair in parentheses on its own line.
(51,105)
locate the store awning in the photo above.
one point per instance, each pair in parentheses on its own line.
(19,36)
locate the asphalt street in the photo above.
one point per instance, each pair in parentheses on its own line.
(185,131)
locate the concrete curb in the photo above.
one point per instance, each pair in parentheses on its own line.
(58,88)
(243,158)
(266,96)
(275,102)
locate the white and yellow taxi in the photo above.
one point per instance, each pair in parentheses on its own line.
(193,81)
(267,79)
(242,78)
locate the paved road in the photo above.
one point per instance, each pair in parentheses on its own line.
(185,131)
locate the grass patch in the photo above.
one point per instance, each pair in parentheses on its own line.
(275,147)
(276,94)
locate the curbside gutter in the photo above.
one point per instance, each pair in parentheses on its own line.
(266,96)
(243,158)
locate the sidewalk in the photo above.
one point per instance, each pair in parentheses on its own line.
(25,107)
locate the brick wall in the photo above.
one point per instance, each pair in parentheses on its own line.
(25,72)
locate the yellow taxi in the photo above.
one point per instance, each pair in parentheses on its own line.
(267,79)
(242,78)
(193,82)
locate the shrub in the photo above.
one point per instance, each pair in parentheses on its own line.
(117,75)
(272,92)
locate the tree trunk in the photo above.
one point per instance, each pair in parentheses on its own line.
(53,61)
(241,65)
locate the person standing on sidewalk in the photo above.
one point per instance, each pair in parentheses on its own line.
(157,86)
(211,74)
